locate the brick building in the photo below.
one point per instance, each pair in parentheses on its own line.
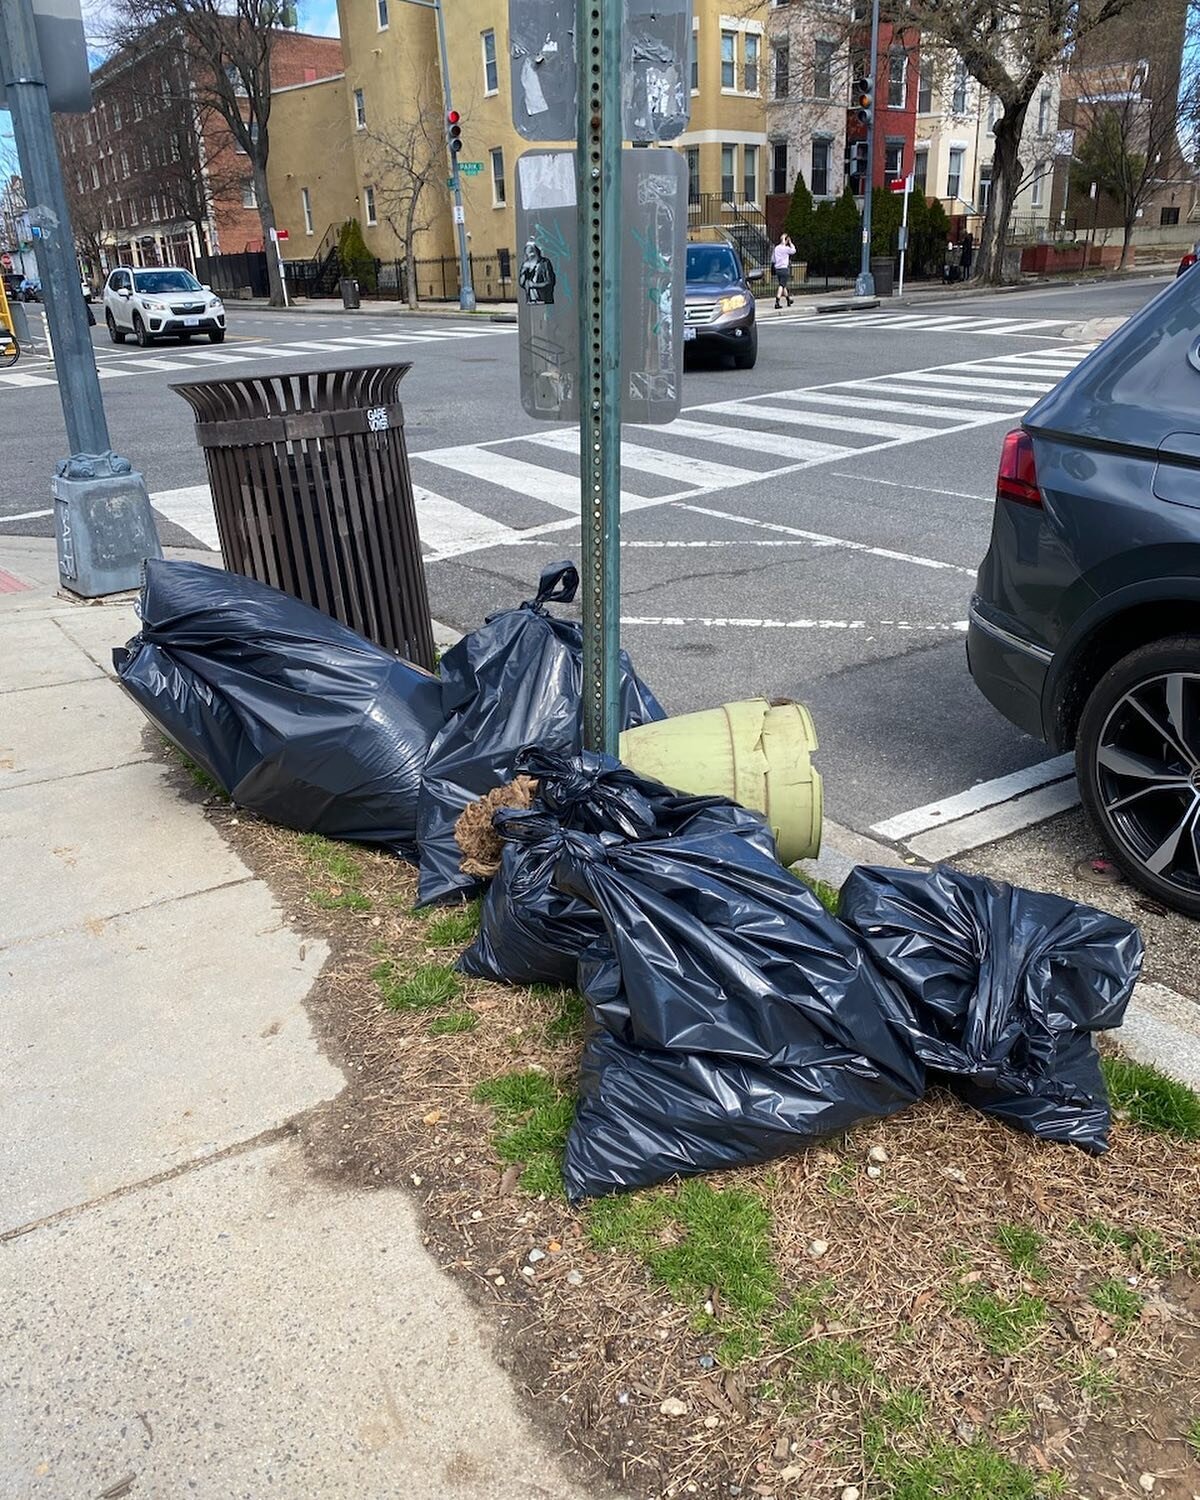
(152,173)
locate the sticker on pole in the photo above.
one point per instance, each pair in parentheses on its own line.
(653,259)
(655,64)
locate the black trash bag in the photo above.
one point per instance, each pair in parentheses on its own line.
(514,682)
(529,933)
(736,1018)
(300,719)
(1006,986)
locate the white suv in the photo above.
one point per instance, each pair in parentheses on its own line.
(162,302)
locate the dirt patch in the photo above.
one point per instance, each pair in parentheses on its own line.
(931,1308)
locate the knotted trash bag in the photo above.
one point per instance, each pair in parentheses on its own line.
(516,681)
(297,717)
(736,1019)
(1006,986)
(530,933)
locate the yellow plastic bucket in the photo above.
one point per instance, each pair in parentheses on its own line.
(756,753)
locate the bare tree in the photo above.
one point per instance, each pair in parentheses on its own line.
(227,45)
(408,155)
(1132,121)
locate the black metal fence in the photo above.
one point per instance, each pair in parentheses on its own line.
(242,275)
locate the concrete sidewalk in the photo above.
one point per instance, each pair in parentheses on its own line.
(186,1309)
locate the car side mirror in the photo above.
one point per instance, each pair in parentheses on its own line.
(124,292)
(205,287)
(755,275)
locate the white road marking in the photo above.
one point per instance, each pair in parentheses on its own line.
(762,442)
(190,507)
(699,473)
(20,377)
(975,799)
(444,524)
(996,822)
(907,408)
(795,417)
(555,488)
(750,624)
(991,399)
(26,515)
(819,539)
(897,484)
(983,384)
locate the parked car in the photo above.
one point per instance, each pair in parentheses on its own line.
(163,302)
(718,302)
(30,289)
(1189,259)
(1085,625)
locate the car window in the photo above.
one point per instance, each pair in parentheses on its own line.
(119,280)
(715,264)
(157,282)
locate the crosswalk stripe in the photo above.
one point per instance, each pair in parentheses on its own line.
(798,449)
(989,375)
(698,473)
(988,399)
(796,417)
(908,408)
(977,382)
(191,508)
(20,377)
(327,347)
(555,488)
(444,524)
(144,363)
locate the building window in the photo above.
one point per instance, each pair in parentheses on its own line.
(694,60)
(95,175)
(124,164)
(306,209)
(993,114)
(116,115)
(1043,112)
(781,67)
(779,166)
(87,132)
(154,213)
(693,166)
(818,183)
(958,97)
(954,166)
(381,7)
(925,87)
(823,54)
(750,173)
(249,194)
(1168,216)
(491,74)
(1037,193)
(499,196)
(369,205)
(985,187)
(728,154)
(751,46)
(921,168)
(360,110)
(897,78)
(893,161)
(729,59)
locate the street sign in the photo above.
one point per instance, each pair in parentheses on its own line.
(655,86)
(460,214)
(6,261)
(470,168)
(63,50)
(282,234)
(654,249)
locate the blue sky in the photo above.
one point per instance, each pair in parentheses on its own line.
(319,16)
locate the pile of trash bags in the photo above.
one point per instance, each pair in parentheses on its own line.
(732,1017)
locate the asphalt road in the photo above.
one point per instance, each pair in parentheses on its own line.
(810,529)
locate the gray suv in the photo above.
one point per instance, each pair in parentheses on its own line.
(1085,627)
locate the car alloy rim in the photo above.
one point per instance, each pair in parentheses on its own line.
(1148,775)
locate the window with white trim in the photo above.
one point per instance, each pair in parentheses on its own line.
(693,165)
(694,60)
(823,55)
(249,194)
(818,177)
(499,192)
(958,96)
(921,168)
(360,110)
(1043,124)
(729,59)
(954,167)
(779,166)
(369,205)
(491,73)
(750,173)
(306,210)
(781,69)
(893,160)
(728,182)
(751,47)
(925,86)
(897,94)
(1037,193)
(381,11)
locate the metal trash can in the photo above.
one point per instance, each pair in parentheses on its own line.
(883,269)
(350,293)
(312,492)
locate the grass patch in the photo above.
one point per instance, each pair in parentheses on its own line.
(828,895)
(1022,1248)
(697,1239)
(456,927)
(1151,1099)
(1006,1324)
(833,1361)
(428,988)
(841,1178)
(338,871)
(1119,1303)
(934,1469)
(903,1409)
(1145,1247)
(568,1013)
(794,1326)
(1098,1382)
(533,1115)
(1012,1422)
(1192,1437)
(456,1021)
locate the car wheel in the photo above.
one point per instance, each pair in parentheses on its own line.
(217,336)
(117,335)
(1138,759)
(139,331)
(749,359)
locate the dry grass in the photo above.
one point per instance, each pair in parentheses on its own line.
(979,1315)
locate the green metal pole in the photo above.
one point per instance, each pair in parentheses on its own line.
(598,43)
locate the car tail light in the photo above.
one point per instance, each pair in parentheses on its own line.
(1017,479)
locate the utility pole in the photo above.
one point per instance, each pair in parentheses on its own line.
(864,286)
(103,520)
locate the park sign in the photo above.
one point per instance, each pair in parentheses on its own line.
(63,49)
(654,248)
(470,168)
(656,40)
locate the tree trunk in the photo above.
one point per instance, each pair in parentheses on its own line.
(266,217)
(1006,179)
(410,258)
(1127,246)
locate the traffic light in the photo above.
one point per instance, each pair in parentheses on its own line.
(863,100)
(453,131)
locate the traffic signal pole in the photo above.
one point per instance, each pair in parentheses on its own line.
(865,284)
(466,287)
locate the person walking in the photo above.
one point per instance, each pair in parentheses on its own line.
(781,260)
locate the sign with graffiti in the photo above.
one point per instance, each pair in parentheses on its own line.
(655,87)
(654,250)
